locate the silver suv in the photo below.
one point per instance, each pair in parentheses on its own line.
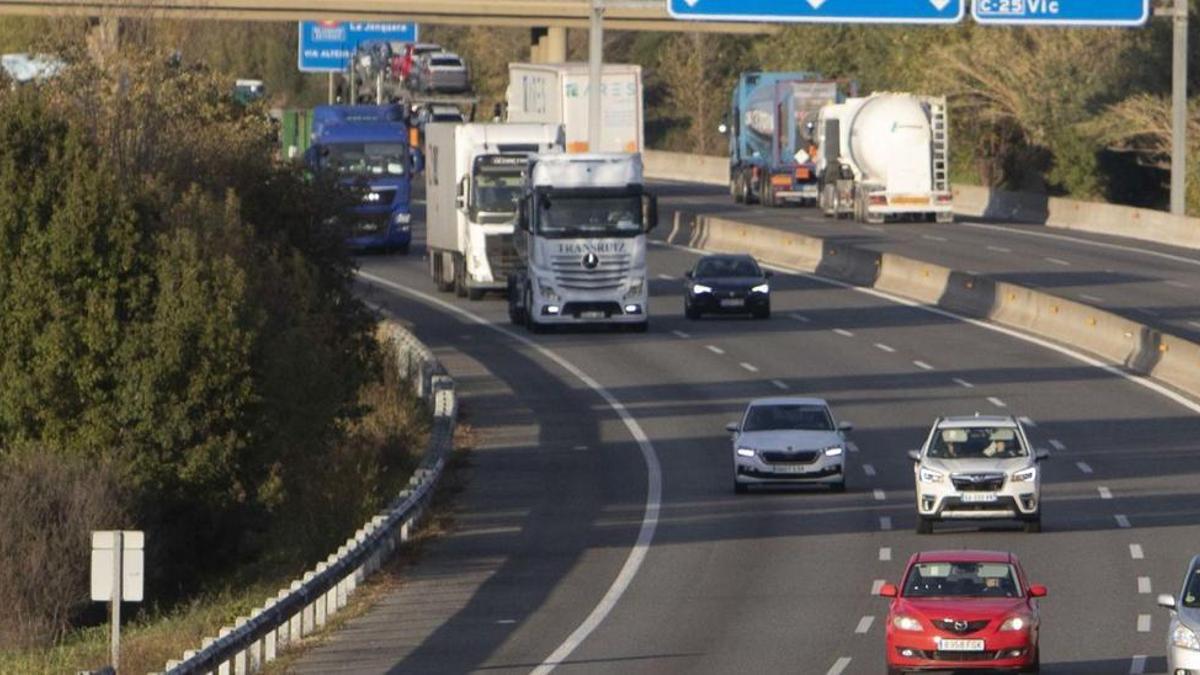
(978,468)
(789,441)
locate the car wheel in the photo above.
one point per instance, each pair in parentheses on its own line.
(1034,526)
(924,525)
(740,488)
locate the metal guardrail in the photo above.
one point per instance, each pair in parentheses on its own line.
(308,603)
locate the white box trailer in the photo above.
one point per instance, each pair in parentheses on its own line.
(557,93)
(474,174)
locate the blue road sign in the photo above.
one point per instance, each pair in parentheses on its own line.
(1062,12)
(326,46)
(821,11)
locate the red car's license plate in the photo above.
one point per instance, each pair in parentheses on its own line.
(960,645)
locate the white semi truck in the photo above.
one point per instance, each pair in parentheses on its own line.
(884,156)
(557,93)
(474,176)
(581,238)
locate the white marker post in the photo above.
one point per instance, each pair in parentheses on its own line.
(118,561)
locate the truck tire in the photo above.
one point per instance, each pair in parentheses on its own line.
(460,280)
(767,191)
(748,188)
(530,324)
(737,186)
(437,270)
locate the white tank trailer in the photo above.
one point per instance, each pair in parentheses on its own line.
(885,156)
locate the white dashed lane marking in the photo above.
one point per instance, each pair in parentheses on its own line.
(999,249)
(801,318)
(1135,552)
(714,349)
(997,402)
(1057,444)
(868,469)
(1143,625)
(885,523)
(1091,298)
(666,277)
(886,348)
(1028,421)
(885,554)
(843,332)
(1194,324)
(880,495)
(1058,261)
(1105,493)
(681,335)
(749,367)
(1084,467)
(780,384)
(839,666)
(922,365)
(963,383)
(876,585)
(931,237)
(1137,665)
(864,624)
(1122,521)
(1144,586)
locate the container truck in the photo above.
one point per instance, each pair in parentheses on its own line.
(581,242)
(771,135)
(375,158)
(558,94)
(885,156)
(473,180)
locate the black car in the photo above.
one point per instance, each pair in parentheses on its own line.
(727,284)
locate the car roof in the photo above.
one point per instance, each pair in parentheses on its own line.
(968,421)
(444,55)
(962,555)
(442,109)
(788,400)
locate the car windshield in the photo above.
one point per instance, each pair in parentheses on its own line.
(1191,591)
(368,159)
(498,192)
(962,580)
(788,417)
(976,443)
(727,267)
(589,216)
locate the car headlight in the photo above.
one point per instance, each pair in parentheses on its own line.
(746,452)
(902,622)
(761,288)
(1025,475)
(701,288)
(1184,637)
(930,476)
(835,451)
(1014,623)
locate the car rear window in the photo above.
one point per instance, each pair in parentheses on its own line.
(727,267)
(962,580)
(445,61)
(976,443)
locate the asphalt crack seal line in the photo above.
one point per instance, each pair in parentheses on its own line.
(637,555)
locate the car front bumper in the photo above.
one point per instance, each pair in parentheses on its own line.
(1015,501)
(1002,652)
(755,471)
(719,303)
(1182,661)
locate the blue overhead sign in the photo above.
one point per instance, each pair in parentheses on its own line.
(1062,12)
(821,11)
(326,46)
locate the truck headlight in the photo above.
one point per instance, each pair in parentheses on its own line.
(745,452)
(930,476)
(761,288)
(1183,636)
(1025,475)
(835,451)
(403,218)
(701,288)
(636,287)
(547,292)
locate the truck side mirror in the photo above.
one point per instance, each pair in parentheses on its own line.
(461,198)
(523,213)
(650,211)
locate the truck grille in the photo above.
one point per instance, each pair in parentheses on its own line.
(609,274)
(978,482)
(501,255)
(803,457)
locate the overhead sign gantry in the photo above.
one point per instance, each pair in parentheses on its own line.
(999,12)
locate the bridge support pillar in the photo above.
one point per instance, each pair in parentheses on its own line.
(548,45)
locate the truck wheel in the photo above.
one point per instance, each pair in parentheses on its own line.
(748,189)
(530,324)
(437,269)
(460,281)
(768,192)
(735,190)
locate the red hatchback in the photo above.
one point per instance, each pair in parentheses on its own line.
(963,610)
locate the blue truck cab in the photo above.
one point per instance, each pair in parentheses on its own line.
(369,150)
(771,129)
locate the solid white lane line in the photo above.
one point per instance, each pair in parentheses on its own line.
(880,495)
(868,469)
(963,383)
(1057,444)
(885,554)
(1122,521)
(1058,261)
(876,585)
(999,249)
(1105,493)
(666,277)
(1137,666)
(864,624)
(780,384)
(681,335)
(749,366)
(1136,552)
(838,666)
(1144,586)
(1084,467)
(843,332)
(1178,284)
(1028,421)
(882,347)
(714,349)
(653,505)
(931,237)
(1098,244)
(1091,298)
(997,402)
(922,365)
(885,523)
(801,318)
(1143,623)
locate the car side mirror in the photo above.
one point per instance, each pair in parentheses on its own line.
(845,426)
(1166,601)
(914,455)
(888,591)
(1037,591)
(461,198)
(523,213)
(1041,455)
(732,427)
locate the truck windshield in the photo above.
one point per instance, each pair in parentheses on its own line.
(591,216)
(367,159)
(498,192)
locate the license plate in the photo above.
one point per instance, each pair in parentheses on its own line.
(960,645)
(910,200)
(786,468)
(591,315)
(733,302)
(979,497)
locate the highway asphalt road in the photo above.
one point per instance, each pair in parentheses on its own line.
(1149,283)
(776,581)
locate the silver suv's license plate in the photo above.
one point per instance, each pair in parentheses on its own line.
(960,645)
(979,497)
(785,468)
(591,315)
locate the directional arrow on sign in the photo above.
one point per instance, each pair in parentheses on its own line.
(940,4)
(816,4)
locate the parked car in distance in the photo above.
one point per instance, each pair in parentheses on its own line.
(789,441)
(1183,632)
(439,113)
(963,610)
(727,284)
(408,60)
(441,72)
(978,468)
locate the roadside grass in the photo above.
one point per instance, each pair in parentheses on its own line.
(378,455)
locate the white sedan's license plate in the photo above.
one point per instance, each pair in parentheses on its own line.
(960,646)
(733,302)
(979,497)
(788,468)
(591,315)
